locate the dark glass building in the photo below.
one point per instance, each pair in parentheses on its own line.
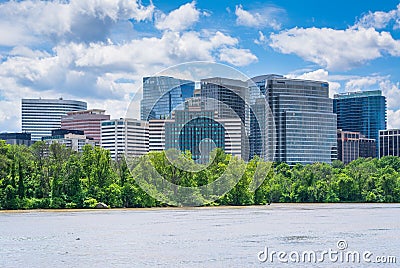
(363,112)
(303,117)
(262,135)
(17,138)
(228,97)
(162,94)
(60,133)
(196,131)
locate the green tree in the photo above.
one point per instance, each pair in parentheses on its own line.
(10,198)
(346,188)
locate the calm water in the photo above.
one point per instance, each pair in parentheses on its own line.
(200,237)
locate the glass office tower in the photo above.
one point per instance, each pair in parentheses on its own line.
(303,117)
(227,97)
(162,94)
(363,112)
(41,116)
(194,130)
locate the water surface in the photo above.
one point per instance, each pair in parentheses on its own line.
(194,237)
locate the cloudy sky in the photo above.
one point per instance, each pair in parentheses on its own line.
(98,50)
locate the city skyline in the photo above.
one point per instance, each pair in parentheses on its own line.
(304,116)
(138,117)
(50,49)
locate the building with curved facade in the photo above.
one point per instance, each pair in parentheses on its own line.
(41,116)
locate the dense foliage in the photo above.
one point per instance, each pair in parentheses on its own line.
(56,177)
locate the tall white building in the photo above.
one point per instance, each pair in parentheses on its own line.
(157,134)
(125,136)
(234,136)
(41,116)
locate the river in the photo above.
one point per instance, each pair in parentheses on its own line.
(200,237)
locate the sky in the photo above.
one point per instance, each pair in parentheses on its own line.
(98,51)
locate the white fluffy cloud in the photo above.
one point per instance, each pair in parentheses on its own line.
(93,71)
(335,49)
(319,75)
(393,119)
(237,56)
(259,18)
(32,21)
(179,19)
(171,48)
(82,64)
(261,40)
(380,19)
(392,92)
(361,83)
(89,50)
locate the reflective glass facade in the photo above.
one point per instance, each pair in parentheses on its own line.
(17,138)
(230,96)
(162,94)
(303,117)
(363,112)
(194,131)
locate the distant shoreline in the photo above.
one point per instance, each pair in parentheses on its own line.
(272,206)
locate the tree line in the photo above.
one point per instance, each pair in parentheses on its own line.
(42,176)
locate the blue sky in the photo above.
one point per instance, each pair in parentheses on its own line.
(98,51)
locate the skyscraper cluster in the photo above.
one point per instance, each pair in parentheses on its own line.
(269,116)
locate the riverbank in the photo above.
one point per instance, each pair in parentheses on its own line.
(274,206)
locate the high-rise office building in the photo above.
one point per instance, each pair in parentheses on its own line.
(353,145)
(226,96)
(157,134)
(363,112)
(199,130)
(41,116)
(389,142)
(262,129)
(234,133)
(163,94)
(303,117)
(195,131)
(125,137)
(229,97)
(87,120)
